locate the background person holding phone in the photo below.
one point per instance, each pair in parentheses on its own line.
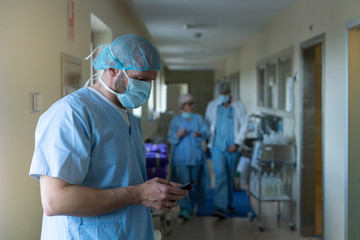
(186,133)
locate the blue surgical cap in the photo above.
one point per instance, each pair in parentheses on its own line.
(224,86)
(129,52)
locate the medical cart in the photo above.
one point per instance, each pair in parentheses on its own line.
(157,166)
(271,174)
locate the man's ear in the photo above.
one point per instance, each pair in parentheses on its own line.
(114,72)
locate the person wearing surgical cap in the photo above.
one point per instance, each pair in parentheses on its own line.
(227,122)
(90,156)
(187,132)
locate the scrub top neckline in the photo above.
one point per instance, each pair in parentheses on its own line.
(123,112)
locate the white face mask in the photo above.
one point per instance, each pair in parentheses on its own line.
(137,92)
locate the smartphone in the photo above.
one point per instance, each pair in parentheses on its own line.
(187,186)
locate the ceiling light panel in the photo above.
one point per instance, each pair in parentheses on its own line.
(200,26)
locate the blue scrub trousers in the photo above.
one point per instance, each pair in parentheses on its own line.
(224,164)
(184,174)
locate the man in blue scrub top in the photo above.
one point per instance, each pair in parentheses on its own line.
(90,156)
(227,121)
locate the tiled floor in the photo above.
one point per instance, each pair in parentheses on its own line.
(209,228)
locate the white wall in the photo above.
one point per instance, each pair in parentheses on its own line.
(200,86)
(33,35)
(291,28)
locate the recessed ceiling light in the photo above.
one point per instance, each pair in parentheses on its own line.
(200,26)
(198,35)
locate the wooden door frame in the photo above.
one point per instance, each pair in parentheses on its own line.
(303,46)
(350,25)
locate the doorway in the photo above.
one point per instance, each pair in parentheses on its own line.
(311,199)
(174,90)
(100,34)
(352,190)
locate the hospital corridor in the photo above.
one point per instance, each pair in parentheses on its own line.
(180,119)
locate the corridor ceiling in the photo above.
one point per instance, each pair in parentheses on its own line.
(199,34)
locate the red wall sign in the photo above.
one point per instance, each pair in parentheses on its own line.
(71,20)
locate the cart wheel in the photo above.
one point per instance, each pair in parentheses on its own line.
(292,226)
(261,227)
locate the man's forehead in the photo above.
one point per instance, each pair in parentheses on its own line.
(143,74)
(225,92)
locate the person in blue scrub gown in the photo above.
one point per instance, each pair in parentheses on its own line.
(90,156)
(187,132)
(227,121)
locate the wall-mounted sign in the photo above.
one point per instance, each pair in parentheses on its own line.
(71,20)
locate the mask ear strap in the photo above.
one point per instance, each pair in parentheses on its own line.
(101,46)
(91,80)
(106,86)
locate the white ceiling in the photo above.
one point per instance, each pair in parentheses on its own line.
(235,20)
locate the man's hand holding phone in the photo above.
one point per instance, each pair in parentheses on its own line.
(188,186)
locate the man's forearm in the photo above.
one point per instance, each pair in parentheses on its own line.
(61,198)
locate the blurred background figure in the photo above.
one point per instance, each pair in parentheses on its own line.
(187,132)
(227,121)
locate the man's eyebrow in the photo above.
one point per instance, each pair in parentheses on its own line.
(141,77)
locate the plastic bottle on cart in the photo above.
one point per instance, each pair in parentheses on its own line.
(272,185)
(269,186)
(279,186)
(264,185)
(256,184)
